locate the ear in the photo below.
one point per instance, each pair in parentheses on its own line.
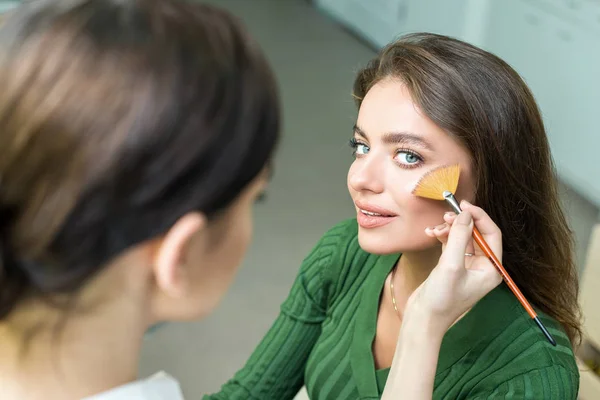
(170,256)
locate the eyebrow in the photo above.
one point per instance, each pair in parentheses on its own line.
(404,138)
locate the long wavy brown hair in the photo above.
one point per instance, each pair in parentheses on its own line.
(486,106)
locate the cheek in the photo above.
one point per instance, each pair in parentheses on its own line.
(466,188)
(412,207)
(418,212)
(245,229)
(220,264)
(226,254)
(238,240)
(428,213)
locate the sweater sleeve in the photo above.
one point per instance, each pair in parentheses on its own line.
(549,383)
(275,370)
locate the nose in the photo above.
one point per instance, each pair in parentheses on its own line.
(366,175)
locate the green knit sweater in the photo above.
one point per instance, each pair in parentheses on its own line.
(323,339)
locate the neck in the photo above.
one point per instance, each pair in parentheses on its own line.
(85,356)
(414,267)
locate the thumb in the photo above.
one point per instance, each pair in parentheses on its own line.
(459,238)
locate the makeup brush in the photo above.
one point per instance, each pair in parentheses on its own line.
(441,184)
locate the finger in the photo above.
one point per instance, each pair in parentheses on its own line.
(431,231)
(472,248)
(441,228)
(449,217)
(482,220)
(441,233)
(458,239)
(486,226)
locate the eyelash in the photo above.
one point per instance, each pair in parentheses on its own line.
(412,153)
(355,143)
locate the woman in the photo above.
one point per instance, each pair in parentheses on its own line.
(135,137)
(362,301)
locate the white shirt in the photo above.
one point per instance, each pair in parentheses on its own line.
(160,386)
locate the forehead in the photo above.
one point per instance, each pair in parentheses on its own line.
(388,107)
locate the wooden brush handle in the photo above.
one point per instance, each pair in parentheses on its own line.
(511,284)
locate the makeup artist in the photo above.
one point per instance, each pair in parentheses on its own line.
(377,309)
(135,138)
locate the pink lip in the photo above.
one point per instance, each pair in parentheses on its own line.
(374,209)
(373,221)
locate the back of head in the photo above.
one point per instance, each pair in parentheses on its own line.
(117,118)
(483,103)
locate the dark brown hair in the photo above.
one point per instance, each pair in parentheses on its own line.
(484,104)
(116,119)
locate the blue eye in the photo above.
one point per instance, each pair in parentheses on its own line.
(408,158)
(360,149)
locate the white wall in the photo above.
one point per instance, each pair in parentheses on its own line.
(7,5)
(553,44)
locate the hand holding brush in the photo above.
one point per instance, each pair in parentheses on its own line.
(459,281)
(441,184)
(453,287)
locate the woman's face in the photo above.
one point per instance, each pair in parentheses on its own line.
(191,266)
(213,255)
(395,145)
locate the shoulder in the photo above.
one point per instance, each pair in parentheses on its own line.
(500,323)
(520,339)
(344,232)
(552,382)
(329,253)
(526,363)
(336,242)
(498,350)
(339,259)
(525,341)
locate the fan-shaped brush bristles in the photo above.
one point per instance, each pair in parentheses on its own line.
(434,183)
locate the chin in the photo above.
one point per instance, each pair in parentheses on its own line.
(384,242)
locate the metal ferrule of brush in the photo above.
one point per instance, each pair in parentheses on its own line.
(450,199)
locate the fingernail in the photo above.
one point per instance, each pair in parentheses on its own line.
(450,214)
(464,218)
(466,203)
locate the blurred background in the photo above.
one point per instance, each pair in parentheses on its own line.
(316,47)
